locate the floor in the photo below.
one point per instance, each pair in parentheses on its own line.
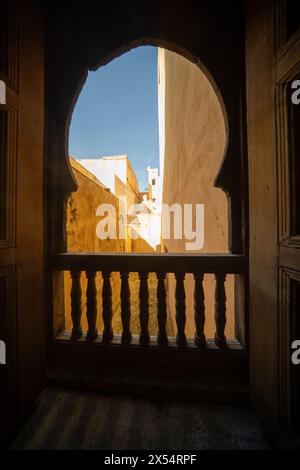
(67,419)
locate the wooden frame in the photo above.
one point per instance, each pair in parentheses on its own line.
(160,262)
(287,69)
(67,73)
(287,372)
(8,151)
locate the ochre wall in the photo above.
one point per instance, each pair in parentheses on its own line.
(131,179)
(131,197)
(81,237)
(82,220)
(194,144)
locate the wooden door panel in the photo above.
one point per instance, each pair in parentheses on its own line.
(8,177)
(287,70)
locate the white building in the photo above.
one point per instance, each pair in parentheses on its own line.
(143,213)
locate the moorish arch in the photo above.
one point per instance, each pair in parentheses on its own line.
(93,45)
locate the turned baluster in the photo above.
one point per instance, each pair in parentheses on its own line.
(125,308)
(91,306)
(220,309)
(161,295)
(180,309)
(76,311)
(144,308)
(107,307)
(199,309)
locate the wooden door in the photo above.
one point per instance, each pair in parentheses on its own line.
(272,64)
(21,209)
(287,72)
(8,180)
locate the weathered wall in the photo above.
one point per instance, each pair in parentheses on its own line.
(111,169)
(194,140)
(82,220)
(81,236)
(105,169)
(127,186)
(117,175)
(131,178)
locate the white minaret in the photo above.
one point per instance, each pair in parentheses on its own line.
(154,182)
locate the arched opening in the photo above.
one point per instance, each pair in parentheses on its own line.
(193,138)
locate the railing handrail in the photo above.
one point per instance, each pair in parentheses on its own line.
(151,262)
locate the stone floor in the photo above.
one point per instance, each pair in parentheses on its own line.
(66,419)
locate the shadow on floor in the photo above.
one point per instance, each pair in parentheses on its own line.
(67,419)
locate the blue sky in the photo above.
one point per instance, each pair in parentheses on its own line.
(116,112)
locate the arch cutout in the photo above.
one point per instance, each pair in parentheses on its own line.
(160,43)
(229,177)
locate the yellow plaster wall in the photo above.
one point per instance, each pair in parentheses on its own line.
(81,237)
(194,143)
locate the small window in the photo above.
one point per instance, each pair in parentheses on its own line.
(153,182)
